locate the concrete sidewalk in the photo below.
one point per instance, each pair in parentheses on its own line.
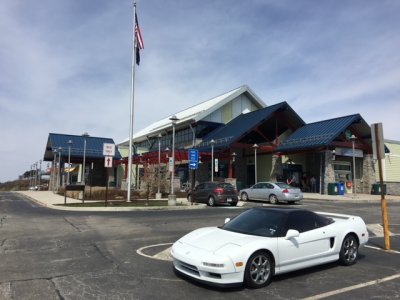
(55,201)
(351,197)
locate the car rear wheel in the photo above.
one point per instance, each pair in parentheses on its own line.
(273,199)
(259,270)
(211,201)
(349,251)
(244,197)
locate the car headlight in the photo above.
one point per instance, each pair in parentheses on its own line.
(213,265)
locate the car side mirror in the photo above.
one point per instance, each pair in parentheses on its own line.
(291,234)
(227,220)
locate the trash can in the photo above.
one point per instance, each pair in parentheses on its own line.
(332,188)
(376,189)
(340,186)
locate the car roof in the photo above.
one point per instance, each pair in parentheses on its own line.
(285,210)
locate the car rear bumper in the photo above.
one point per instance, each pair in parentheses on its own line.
(226,199)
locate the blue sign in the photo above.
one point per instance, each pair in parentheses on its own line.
(193,158)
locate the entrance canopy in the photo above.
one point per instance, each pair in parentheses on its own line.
(329,133)
(263,126)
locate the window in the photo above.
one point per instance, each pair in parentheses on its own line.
(305,221)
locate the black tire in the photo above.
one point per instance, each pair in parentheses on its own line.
(349,250)
(233,203)
(211,201)
(273,199)
(244,197)
(259,270)
(291,202)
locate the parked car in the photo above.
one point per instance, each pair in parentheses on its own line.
(273,192)
(263,242)
(214,193)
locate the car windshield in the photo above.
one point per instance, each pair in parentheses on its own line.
(260,222)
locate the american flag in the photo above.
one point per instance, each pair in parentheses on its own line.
(139,40)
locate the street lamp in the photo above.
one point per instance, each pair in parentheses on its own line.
(255,146)
(54,170)
(69,160)
(59,167)
(34,174)
(232,165)
(172,196)
(212,142)
(353,139)
(85,135)
(40,171)
(158,195)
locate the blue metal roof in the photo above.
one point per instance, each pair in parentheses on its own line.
(94,146)
(242,126)
(321,134)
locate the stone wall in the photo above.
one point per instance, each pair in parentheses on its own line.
(393,188)
(365,184)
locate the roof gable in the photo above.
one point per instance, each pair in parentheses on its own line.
(94,146)
(243,125)
(196,112)
(320,134)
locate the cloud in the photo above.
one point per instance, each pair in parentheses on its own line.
(66,65)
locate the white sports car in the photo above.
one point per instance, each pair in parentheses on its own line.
(261,242)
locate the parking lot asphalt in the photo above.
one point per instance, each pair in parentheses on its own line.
(56,201)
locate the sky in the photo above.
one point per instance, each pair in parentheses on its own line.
(66,64)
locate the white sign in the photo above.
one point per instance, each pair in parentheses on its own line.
(108,161)
(216,165)
(108,149)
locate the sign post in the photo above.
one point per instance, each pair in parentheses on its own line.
(109,153)
(193,166)
(379,154)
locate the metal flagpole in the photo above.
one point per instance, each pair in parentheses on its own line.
(132,105)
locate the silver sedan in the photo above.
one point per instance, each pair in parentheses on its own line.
(273,192)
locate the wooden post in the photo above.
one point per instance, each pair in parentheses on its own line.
(383,200)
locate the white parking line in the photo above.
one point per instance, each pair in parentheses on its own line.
(353,287)
(163,255)
(380,249)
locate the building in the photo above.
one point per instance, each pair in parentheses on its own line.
(67,154)
(241,139)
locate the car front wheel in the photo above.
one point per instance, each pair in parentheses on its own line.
(244,197)
(211,201)
(349,251)
(259,270)
(273,199)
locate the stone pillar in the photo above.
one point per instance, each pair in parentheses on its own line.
(277,168)
(329,173)
(368,178)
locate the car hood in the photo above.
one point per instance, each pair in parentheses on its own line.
(213,238)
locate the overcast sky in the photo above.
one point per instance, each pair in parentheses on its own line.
(66,64)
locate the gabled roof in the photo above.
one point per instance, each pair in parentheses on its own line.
(323,133)
(241,129)
(94,146)
(196,112)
